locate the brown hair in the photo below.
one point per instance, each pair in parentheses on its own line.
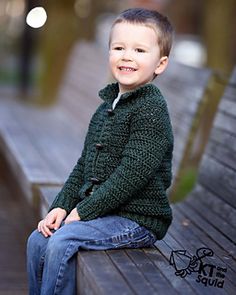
(153,19)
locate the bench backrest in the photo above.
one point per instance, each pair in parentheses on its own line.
(216,185)
(185,90)
(86,73)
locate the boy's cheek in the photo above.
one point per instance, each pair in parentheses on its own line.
(115,54)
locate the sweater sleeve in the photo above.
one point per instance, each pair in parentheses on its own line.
(150,139)
(68,197)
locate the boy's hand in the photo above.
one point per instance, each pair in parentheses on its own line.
(52,221)
(73,216)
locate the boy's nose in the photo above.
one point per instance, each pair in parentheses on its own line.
(127,55)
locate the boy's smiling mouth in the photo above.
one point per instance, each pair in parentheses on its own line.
(127,69)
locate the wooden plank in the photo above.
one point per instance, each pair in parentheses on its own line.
(221,148)
(102,274)
(17,221)
(210,230)
(214,211)
(213,203)
(220,137)
(150,271)
(228,105)
(131,272)
(218,179)
(225,122)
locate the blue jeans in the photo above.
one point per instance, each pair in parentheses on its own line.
(51,262)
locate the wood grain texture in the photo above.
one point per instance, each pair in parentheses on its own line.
(16,223)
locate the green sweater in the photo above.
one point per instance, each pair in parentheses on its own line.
(125,162)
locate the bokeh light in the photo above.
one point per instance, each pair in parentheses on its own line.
(36,17)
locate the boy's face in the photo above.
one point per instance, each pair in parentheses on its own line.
(134,55)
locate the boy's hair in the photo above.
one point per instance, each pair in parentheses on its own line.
(153,19)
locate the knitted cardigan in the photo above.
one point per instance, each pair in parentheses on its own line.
(125,166)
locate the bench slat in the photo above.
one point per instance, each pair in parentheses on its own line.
(150,271)
(101,274)
(217,205)
(210,230)
(218,179)
(132,274)
(214,216)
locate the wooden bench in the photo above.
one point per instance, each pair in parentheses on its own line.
(42,144)
(198,255)
(186,90)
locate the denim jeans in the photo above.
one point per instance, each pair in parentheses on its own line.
(51,262)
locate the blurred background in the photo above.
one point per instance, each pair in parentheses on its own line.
(33,56)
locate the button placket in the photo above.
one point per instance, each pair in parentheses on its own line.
(99,146)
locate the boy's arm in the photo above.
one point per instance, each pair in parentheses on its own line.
(150,139)
(68,196)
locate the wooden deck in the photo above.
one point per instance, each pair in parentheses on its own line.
(16,222)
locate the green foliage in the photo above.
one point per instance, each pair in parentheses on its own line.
(186,184)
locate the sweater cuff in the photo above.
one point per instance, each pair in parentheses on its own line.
(67,204)
(86,210)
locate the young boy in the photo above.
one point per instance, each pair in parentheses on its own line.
(115,196)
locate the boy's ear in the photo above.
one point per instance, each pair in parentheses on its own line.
(162,65)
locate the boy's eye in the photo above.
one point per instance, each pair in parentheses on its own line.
(118,48)
(140,50)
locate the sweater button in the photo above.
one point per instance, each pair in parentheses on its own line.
(110,112)
(95,180)
(99,146)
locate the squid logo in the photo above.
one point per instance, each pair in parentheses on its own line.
(210,275)
(185,264)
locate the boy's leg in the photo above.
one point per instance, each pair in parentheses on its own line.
(36,248)
(59,275)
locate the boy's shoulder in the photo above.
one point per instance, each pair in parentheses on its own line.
(151,96)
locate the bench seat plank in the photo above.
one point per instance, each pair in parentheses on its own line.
(150,271)
(217,205)
(105,282)
(217,217)
(142,284)
(212,232)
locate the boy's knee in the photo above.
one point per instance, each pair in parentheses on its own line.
(56,244)
(36,240)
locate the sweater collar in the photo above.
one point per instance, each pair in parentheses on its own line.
(110,92)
